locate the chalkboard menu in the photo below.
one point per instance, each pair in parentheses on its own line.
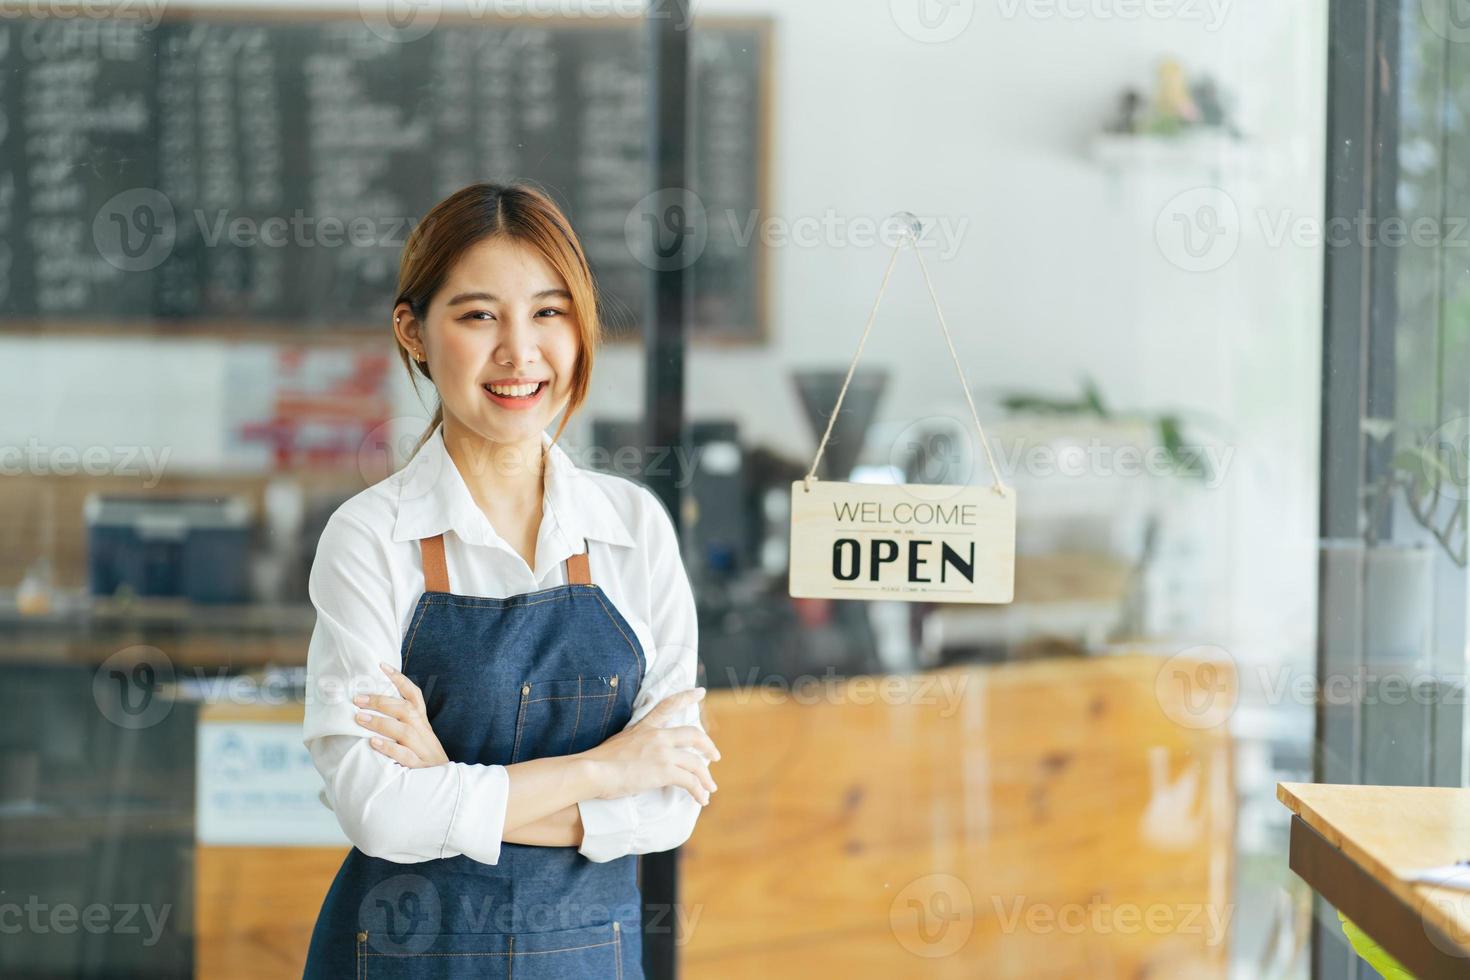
(251,172)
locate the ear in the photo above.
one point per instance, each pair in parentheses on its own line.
(409,331)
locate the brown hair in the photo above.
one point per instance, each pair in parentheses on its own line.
(479,212)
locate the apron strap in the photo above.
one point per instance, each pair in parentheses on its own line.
(578,572)
(436,570)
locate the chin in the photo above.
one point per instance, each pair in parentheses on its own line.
(495,427)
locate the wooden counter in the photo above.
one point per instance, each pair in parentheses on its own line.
(1043,819)
(192,638)
(1353,843)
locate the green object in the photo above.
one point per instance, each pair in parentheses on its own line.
(1373,954)
(1188,460)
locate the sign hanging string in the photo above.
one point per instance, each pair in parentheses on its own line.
(909,237)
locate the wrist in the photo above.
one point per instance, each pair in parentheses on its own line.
(591,778)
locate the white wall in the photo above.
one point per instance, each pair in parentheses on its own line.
(1058,273)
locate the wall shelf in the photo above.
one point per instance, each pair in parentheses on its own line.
(1207,153)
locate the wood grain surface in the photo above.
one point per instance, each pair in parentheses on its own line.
(1049,819)
(1390,831)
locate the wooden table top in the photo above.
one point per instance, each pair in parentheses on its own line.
(1060,818)
(1391,831)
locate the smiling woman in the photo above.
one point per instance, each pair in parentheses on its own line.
(498,265)
(498,754)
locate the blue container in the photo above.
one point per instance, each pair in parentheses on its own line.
(177,547)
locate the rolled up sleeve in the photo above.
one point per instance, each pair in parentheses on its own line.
(387,810)
(661,819)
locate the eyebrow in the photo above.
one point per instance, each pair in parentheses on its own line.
(492,298)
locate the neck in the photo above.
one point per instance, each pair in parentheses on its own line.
(502,472)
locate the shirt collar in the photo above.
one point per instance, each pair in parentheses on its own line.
(433,498)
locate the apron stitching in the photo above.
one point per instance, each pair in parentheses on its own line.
(631,645)
(508,602)
(417,622)
(576,720)
(606,710)
(561,949)
(527,952)
(509,605)
(520,723)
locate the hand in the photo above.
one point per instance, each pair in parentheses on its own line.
(404,734)
(649,756)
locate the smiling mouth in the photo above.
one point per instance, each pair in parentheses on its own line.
(527,395)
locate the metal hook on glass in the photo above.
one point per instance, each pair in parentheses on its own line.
(910,228)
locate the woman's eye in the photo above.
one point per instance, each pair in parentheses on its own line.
(487,315)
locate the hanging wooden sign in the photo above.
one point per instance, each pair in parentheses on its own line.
(911,542)
(914,542)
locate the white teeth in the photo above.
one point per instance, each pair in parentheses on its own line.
(513,391)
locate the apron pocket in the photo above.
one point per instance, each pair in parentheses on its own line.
(594,951)
(561,954)
(563,716)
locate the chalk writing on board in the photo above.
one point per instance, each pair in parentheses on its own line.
(251,171)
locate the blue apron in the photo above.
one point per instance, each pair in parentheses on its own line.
(545,673)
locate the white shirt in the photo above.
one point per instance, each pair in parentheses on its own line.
(365,581)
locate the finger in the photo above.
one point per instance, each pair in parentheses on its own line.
(672,703)
(686,779)
(394,707)
(406,687)
(679,699)
(692,737)
(398,753)
(411,745)
(706,745)
(391,727)
(693,763)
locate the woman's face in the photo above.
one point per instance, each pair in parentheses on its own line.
(502,323)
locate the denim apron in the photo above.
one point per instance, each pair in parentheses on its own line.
(545,673)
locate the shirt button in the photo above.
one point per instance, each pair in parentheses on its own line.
(525,688)
(617,926)
(613,682)
(362,937)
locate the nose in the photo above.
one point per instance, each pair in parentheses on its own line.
(517,342)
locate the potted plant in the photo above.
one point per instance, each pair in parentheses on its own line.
(1398,573)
